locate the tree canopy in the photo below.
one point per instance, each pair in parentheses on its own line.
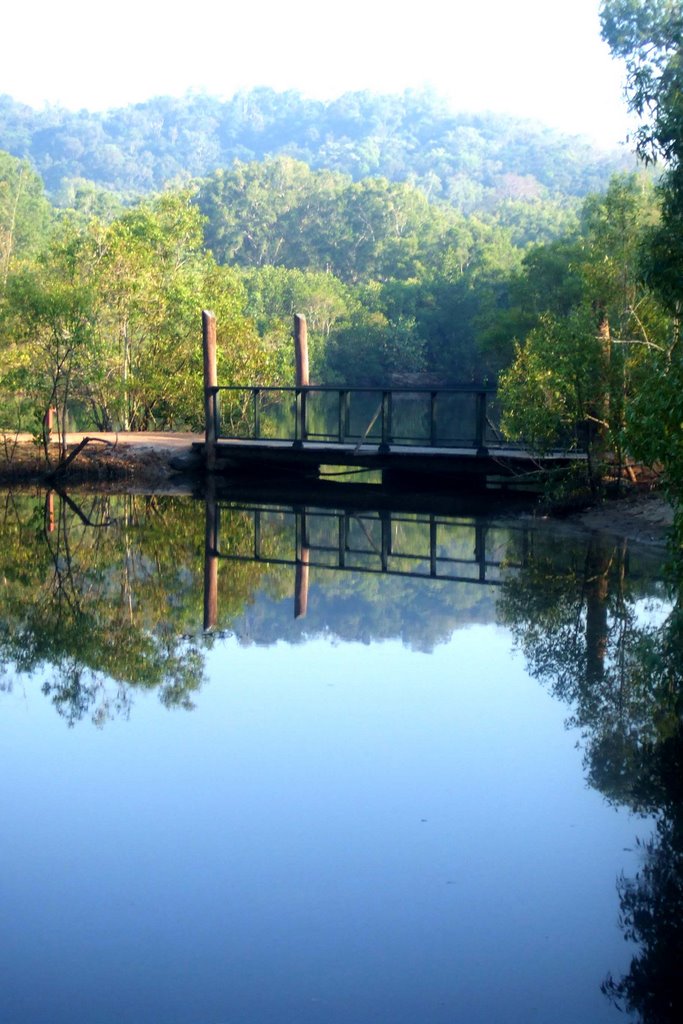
(471,160)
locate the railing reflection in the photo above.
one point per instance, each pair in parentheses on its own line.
(380,542)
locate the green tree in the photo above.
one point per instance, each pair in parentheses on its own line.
(25,213)
(598,328)
(648,36)
(107,319)
(48,322)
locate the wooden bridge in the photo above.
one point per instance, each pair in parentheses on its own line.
(401,431)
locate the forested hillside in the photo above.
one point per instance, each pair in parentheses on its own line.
(470,160)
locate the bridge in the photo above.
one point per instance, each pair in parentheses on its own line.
(401,431)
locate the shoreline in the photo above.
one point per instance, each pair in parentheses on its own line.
(142,464)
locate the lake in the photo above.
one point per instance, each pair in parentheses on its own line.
(418,767)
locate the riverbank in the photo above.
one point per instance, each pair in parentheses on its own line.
(134,458)
(642,516)
(144,462)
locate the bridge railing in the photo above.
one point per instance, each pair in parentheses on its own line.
(463,416)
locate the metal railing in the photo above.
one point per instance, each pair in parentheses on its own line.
(463,416)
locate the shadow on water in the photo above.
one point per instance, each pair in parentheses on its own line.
(104,595)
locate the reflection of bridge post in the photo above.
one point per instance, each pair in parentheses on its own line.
(598,564)
(301,570)
(480,549)
(50,512)
(386,539)
(343,538)
(210,556)
(432,546)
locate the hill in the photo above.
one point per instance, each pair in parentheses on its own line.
(470,160)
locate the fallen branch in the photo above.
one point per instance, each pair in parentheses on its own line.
(78,449)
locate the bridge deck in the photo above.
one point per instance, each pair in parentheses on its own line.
(310,455)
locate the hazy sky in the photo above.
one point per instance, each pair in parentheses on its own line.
(533,58)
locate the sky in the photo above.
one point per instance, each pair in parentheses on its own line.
(541,59)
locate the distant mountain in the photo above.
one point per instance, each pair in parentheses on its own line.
(467,159)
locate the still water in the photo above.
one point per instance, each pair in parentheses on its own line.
(418,769)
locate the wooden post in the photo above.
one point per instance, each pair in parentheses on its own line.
(301,350)
(210,387)
(210,557)
(302,380)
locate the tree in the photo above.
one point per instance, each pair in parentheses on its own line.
(24,212)
(106,320)
(599,331)
(49,321)
(648,36)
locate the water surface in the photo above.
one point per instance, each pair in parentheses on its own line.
(414,802)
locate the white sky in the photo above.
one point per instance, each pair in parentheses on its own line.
(533,58)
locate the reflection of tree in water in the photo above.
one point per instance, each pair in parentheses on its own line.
(86,604)
(652,905)
(103,594)
(585,630)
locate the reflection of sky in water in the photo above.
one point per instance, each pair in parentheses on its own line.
(337,833)
(652,612)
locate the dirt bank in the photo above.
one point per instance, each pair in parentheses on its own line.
(642,517)
(140,459)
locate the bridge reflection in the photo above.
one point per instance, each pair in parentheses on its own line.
(432,546)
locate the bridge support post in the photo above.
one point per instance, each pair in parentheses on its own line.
(302,379)
(210,388)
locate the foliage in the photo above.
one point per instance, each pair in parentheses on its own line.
(106,318)
(103,595)
(25,213)
(592,354)
(648,36)
(473,161)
